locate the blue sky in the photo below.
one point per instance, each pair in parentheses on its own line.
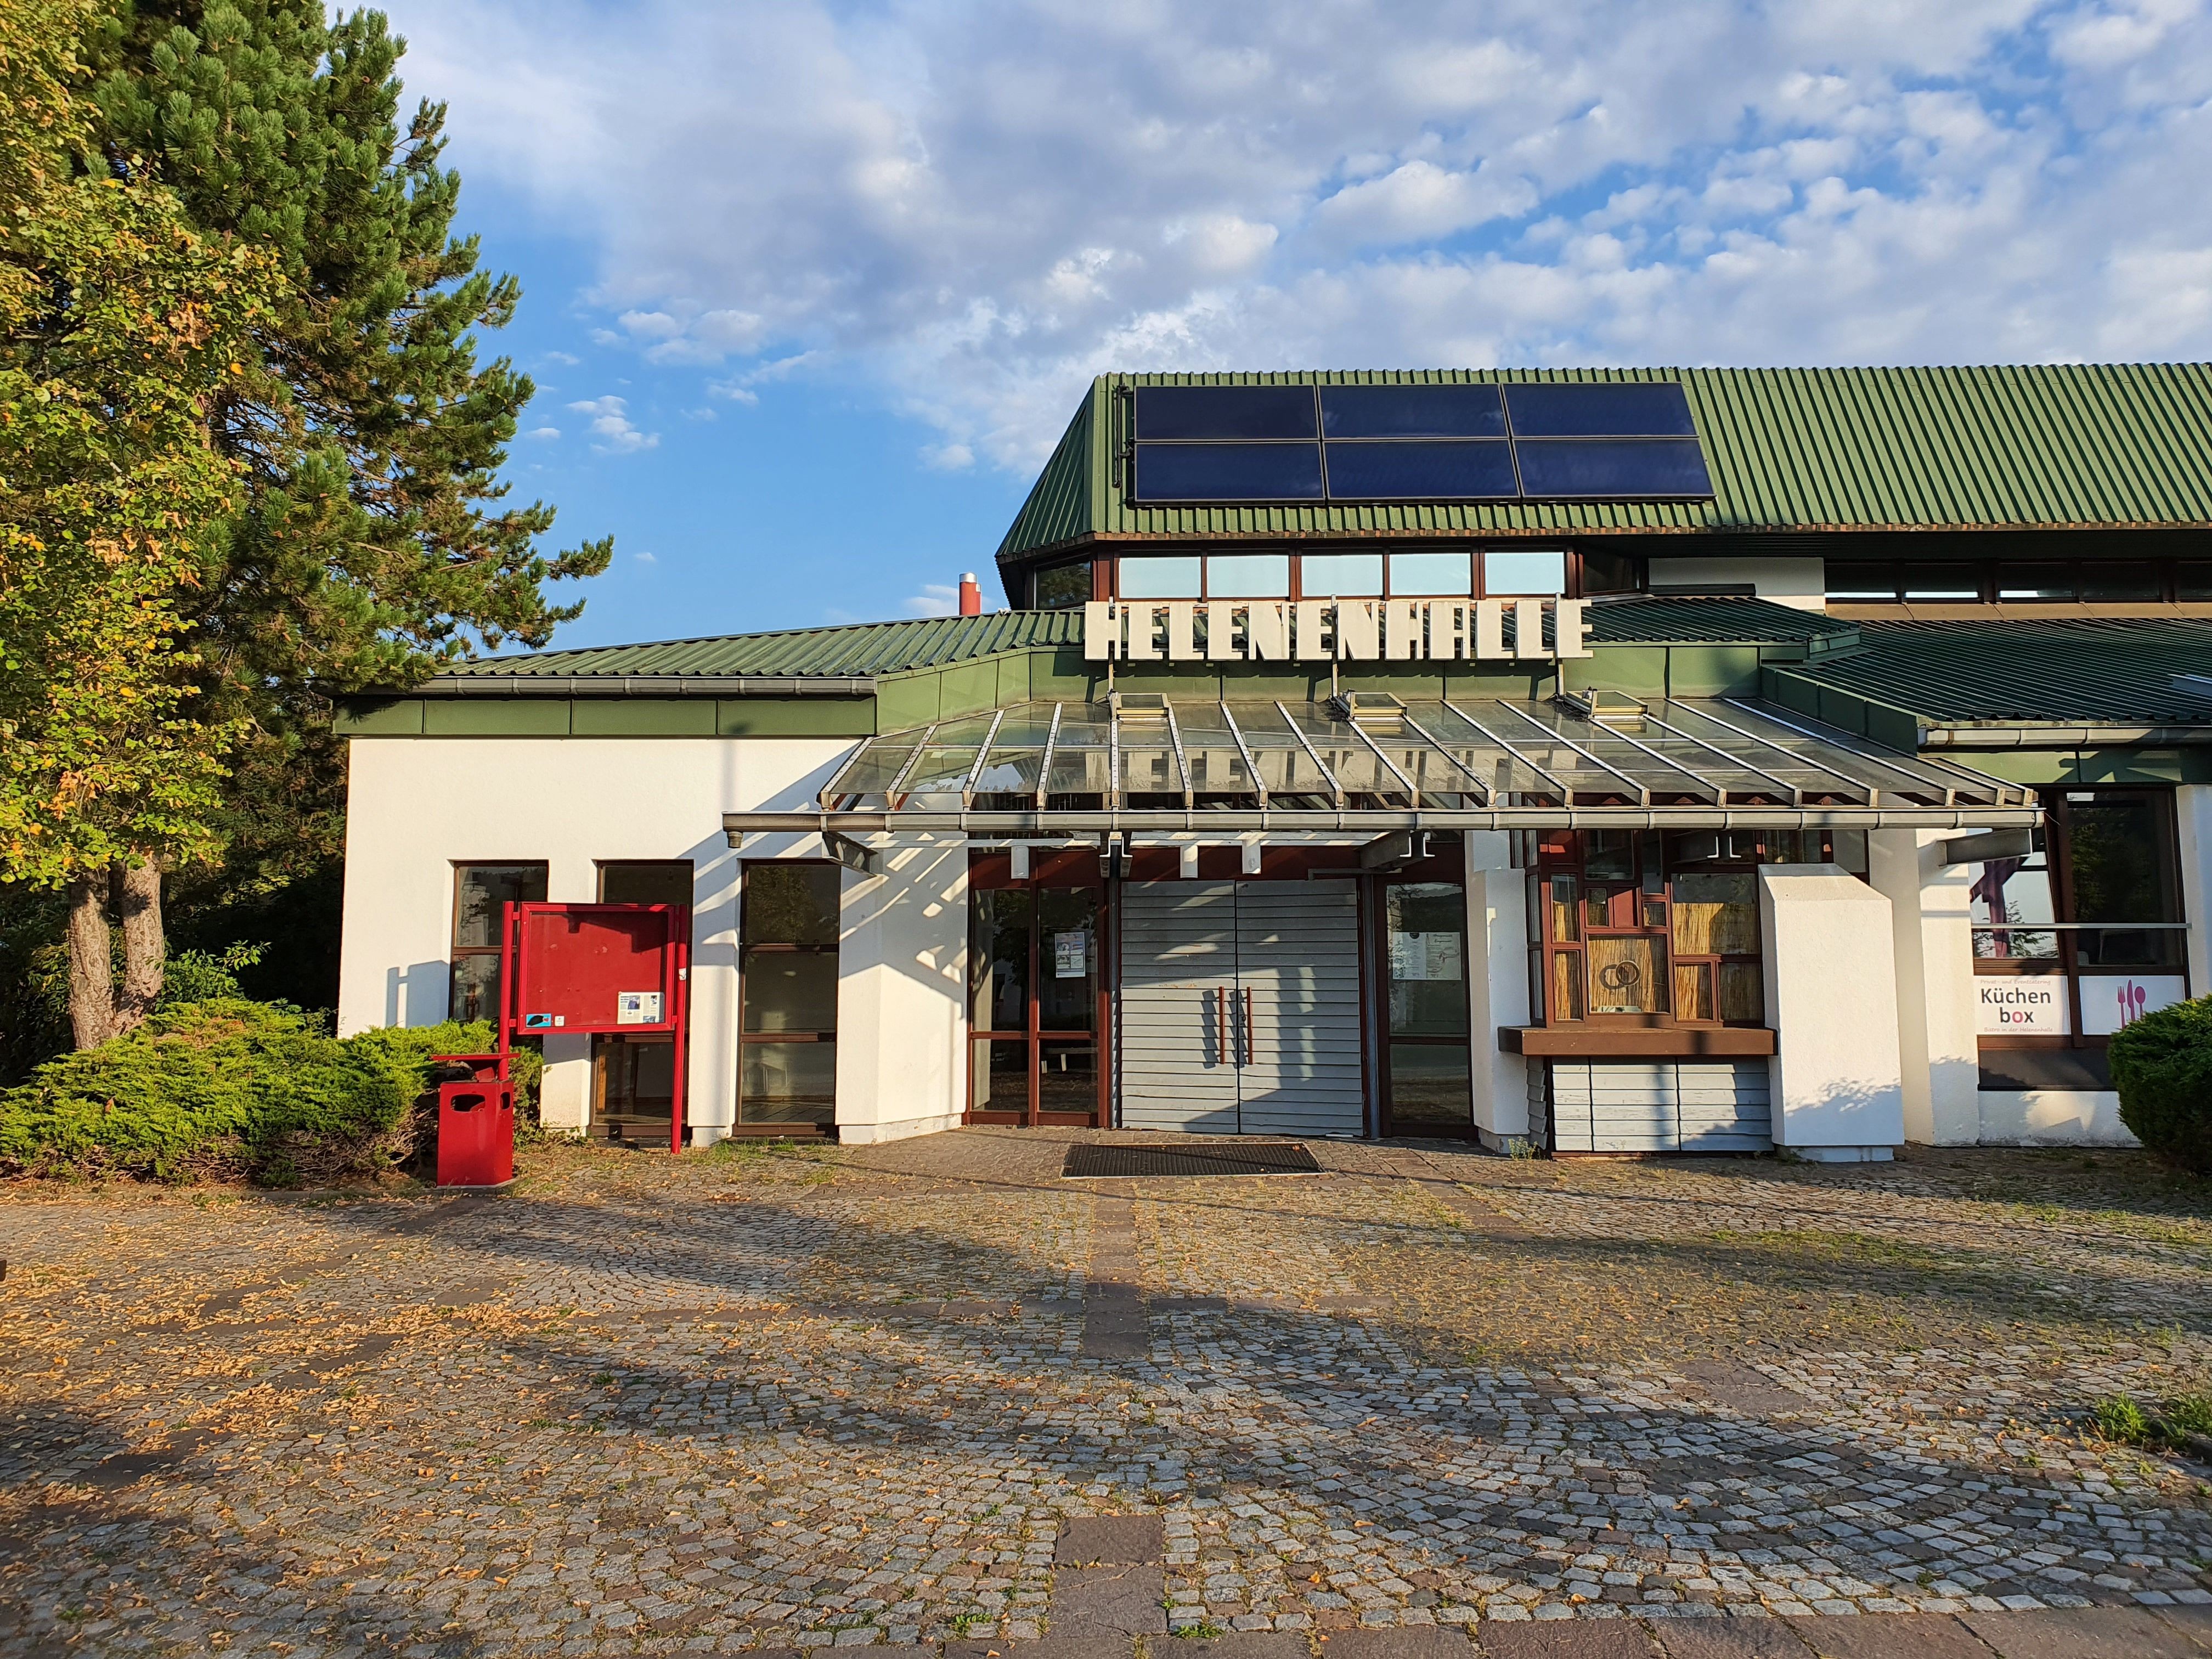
(811,289)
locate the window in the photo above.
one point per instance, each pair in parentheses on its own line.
(787,995)
(2076,937)
(1609,572)
(2026,582)
(1861,584)
(1524,572)
(1160,577)
(1060,587)
(480,892)
(1651,927)
(646,881)
(1033,983)
(1248,576)
(1334,575)
(1943,584)
(1414,575)
(1424,954)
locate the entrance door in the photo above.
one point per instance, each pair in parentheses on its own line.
(1240,1008)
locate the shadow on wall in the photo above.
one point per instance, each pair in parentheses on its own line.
(1846,1111)
(417,995)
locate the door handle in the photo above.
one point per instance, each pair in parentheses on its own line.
(1221,1026)
(1248,1025)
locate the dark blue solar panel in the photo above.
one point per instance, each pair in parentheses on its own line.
(1618,467)
(1592,410)
(1420,471)
(1412,411)
(1224,411)
(1227,473)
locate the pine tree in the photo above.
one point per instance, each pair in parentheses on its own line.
(375,540)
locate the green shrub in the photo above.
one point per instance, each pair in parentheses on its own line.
(2162,1067)
(206,976)
(227,1088)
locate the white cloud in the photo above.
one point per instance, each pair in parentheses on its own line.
(544,434)
(948,458)
(645,558)
(966,211)
(934,601)
(560,357)
(610,425)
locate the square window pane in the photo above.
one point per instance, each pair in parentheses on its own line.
(1447,573)
(1624,976)
(1062,588)
(1067,958)
(1532,572)
(790,990)
(475,991)
(2121,584)
(656,883)
(2192,581)
(1334,575)
(1958,584)
(791,903)
(998,1076)
(1862,584)
(2022,583)
(1743,993)
(1716,913)
(2117,845)
(788,1082)
(1159,578)
(1429,1083)
(1248,576)
(1068,1077)
(481,889)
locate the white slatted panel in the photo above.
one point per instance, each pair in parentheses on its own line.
(1298,953)
(1178,947)
(1622,1106)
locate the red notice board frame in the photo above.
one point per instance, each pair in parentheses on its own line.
(534,996)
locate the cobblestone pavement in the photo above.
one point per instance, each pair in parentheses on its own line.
(778,1398)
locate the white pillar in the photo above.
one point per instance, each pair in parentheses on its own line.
(1932,936)
(564,1094)
(1832,994)
(1498,986)
(902,979)
(2192,805)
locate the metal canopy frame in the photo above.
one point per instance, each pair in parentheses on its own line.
(1416,752)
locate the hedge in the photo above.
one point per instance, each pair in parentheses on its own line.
(2162,1067)
(228,1088)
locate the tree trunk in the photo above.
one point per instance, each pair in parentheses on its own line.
(145,950)
(92,969)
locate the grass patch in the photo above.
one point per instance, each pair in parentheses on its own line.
(2181,1424)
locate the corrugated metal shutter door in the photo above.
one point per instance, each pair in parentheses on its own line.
(1298,953)
(1717,1106)
(1178,948)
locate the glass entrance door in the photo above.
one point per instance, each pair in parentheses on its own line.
(1035,1008)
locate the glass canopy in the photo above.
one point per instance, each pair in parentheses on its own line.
(1365,753)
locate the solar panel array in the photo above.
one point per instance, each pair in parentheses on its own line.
(1414,443)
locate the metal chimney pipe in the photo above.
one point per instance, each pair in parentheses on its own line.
(971,595)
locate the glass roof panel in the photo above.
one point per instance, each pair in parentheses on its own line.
(1587,409)
(1616,466)
(940,770)
(1216,771)
(1025,727)
(1457,471)
(1224,411)
(874,769)
(1078,772)
(968,729)
(1412,411)
(1014,774)
(1149,771)
(1227,473)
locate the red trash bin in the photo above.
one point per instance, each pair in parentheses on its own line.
(476,1120)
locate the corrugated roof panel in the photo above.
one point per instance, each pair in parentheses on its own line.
(1695,620)
(860,649)
(2016,446)
(2086,671)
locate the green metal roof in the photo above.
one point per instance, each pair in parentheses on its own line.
(1660,620)
(2048,446)
(2062,671)
(854,650)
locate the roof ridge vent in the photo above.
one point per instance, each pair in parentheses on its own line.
(1140,707)
(1602,708)
(1362,705)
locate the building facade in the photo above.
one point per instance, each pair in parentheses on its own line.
(1596,761)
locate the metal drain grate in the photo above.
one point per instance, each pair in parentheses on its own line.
(1244,1158)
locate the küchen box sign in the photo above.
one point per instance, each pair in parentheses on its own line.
(1322,630)
(2022,1005)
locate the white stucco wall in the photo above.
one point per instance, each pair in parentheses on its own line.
(903,965)
(1801,584)
(2052,1117)
(416,807)
(1831,996)
(1497,984)
(1933,948)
